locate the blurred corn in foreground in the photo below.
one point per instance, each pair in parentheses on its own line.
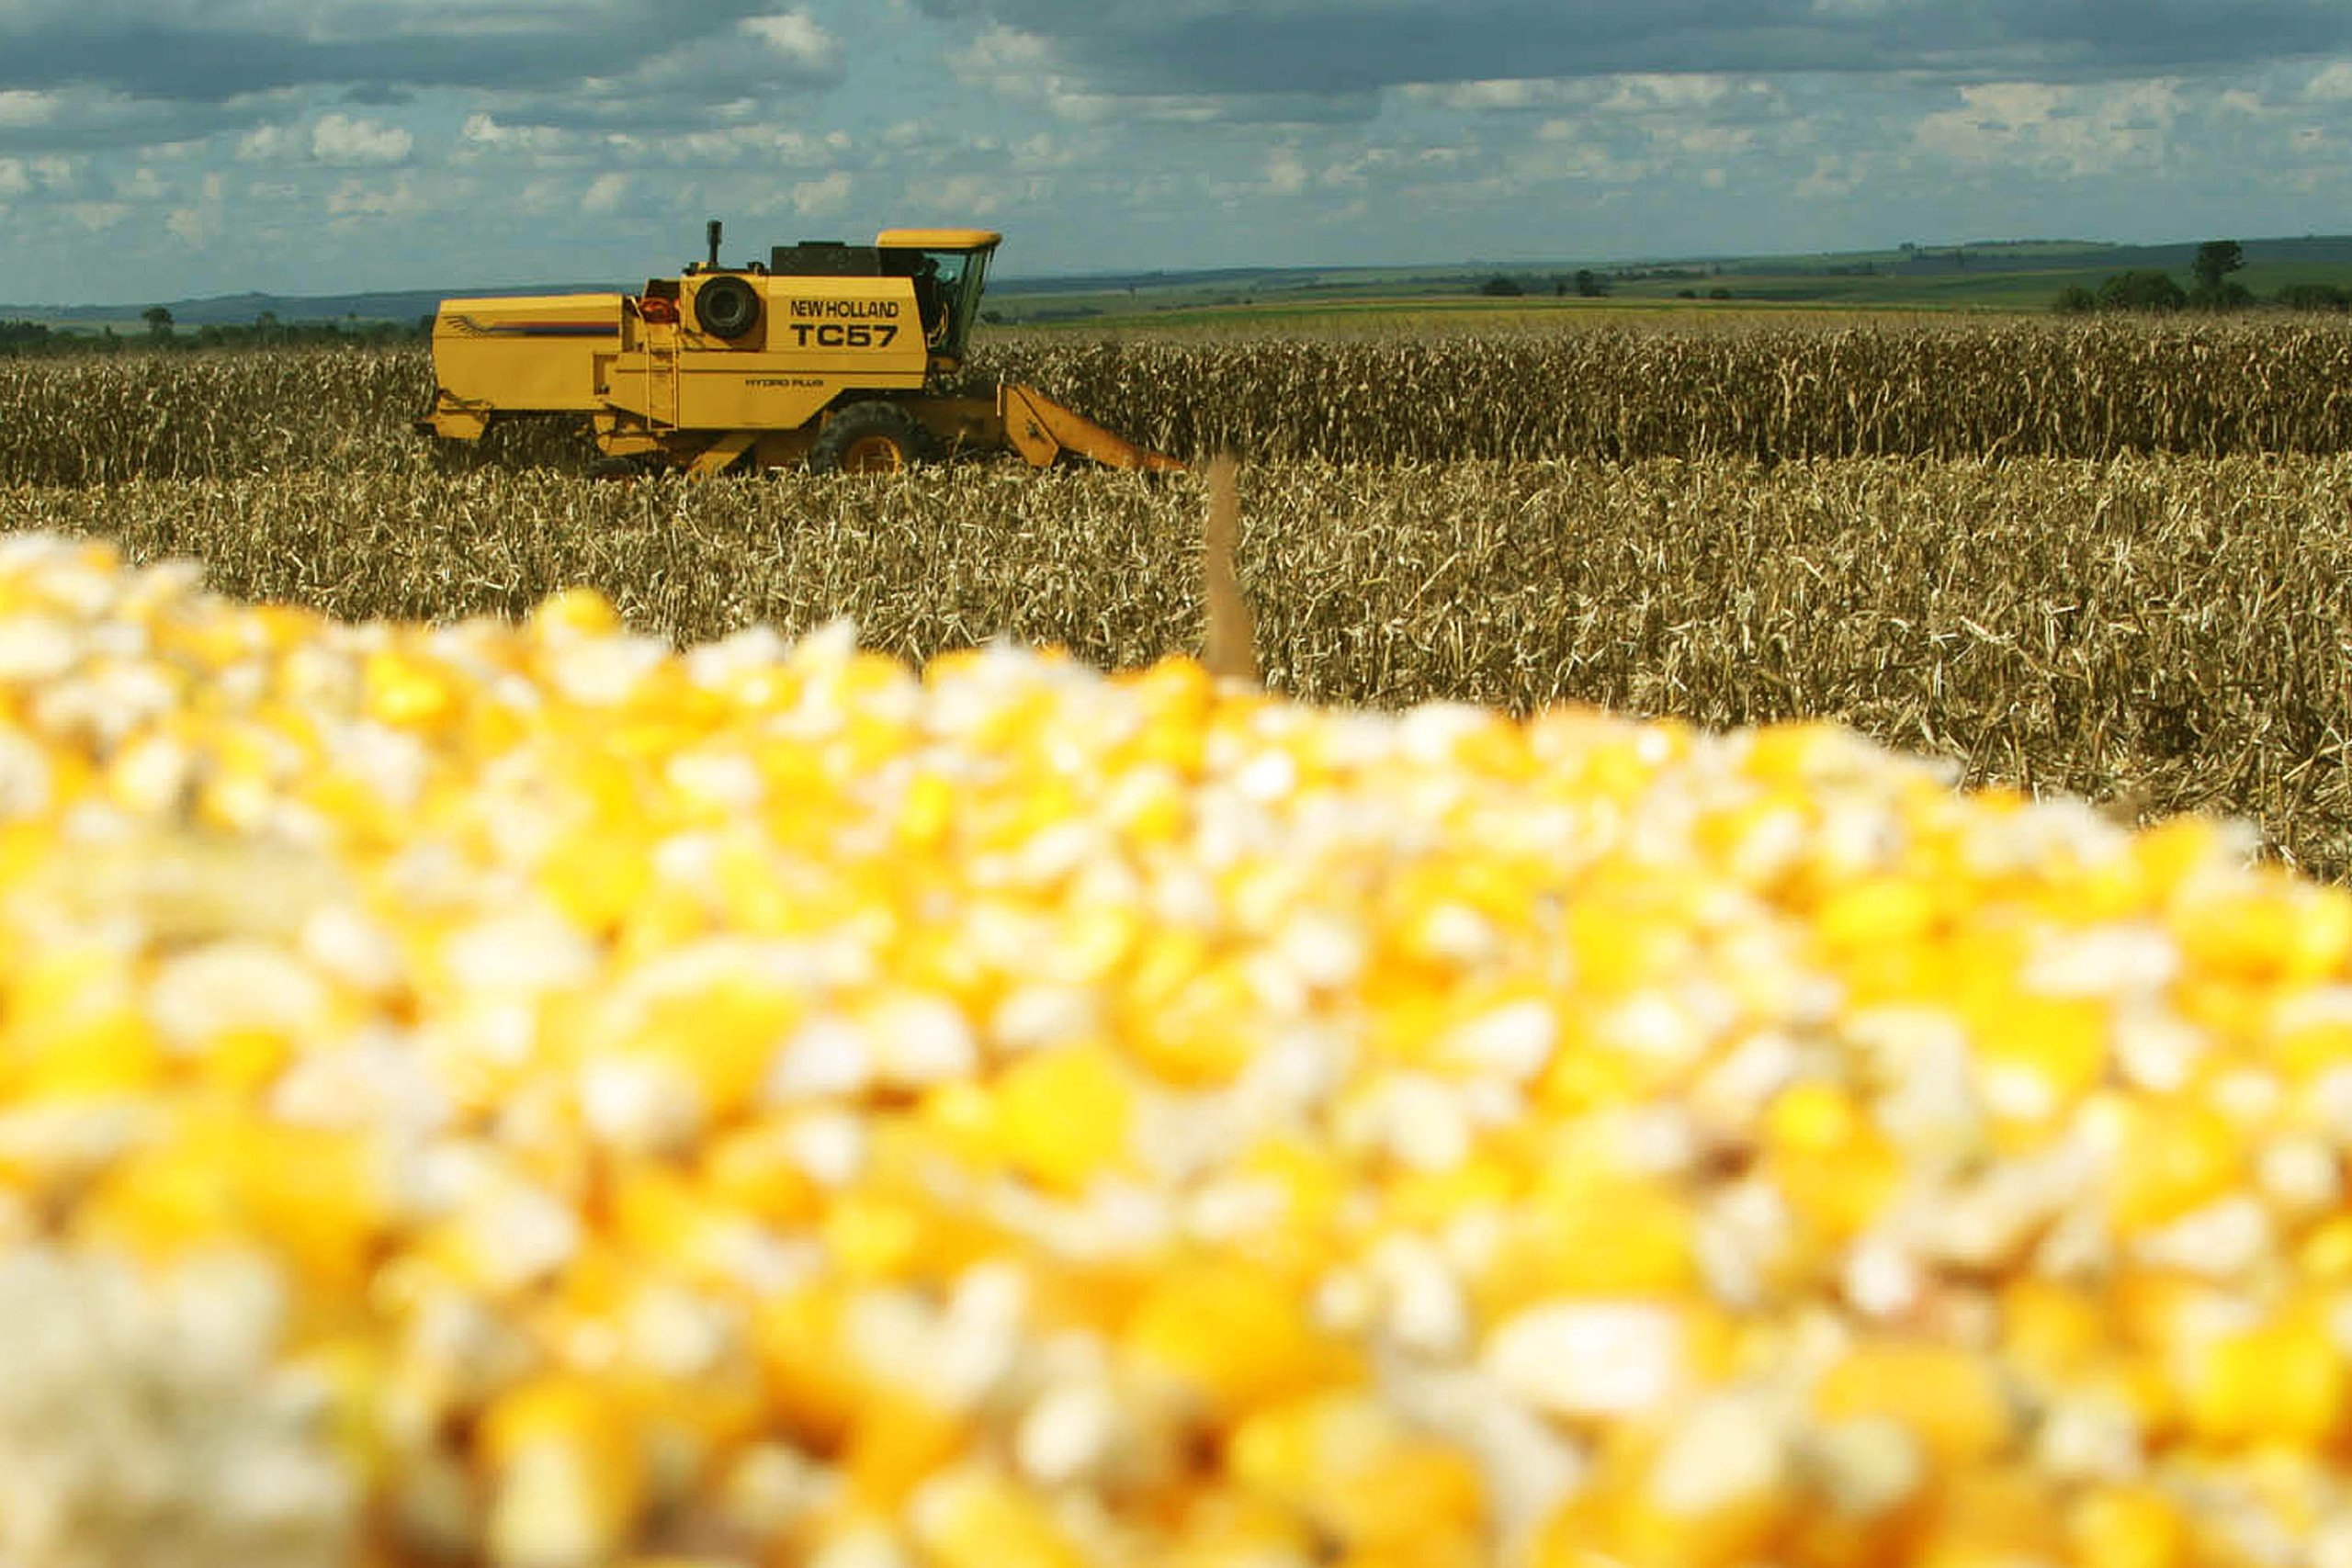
(515,1094)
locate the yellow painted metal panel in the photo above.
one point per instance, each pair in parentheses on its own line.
(937,238)
(777,398)
(525,352)
(1041,429)
(855,327)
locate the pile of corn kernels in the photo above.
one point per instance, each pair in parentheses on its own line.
(515,1094)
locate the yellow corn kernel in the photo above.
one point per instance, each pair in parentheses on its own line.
(751,1172)
(407,691)
(897,1441)
(2038,1056)
(309,1196)
(1875,913)
(2128,1527)
(1225,1527)
(2052,1330)
(1063,1116)
(2326,1255)
(2278,934)
(1813,1119)
(1351,1466)
(926,812)
(1235,1334)
(724,1036)
(100,1049)
(983,1521)
(1604,1238)
(2283,1382)
(574,613)
(1832,1166)
(2172,1157)
(595,882)
(813,1386)
(874,1236)
(567,1475)
(1992,1519)
(1948,1399)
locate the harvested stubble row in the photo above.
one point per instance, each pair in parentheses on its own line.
(520,1090)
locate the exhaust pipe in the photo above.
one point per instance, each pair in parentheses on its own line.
(710,232)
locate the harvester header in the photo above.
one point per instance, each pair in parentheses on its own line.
(833,355)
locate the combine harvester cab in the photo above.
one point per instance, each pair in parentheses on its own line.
(830,355)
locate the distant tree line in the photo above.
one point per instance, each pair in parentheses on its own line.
(1587,284)
(39,337)
(2212,288)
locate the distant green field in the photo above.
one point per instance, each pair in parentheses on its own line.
(1991,277)
(2027,276)
(1408,315)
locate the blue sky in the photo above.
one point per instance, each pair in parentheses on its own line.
(157,149)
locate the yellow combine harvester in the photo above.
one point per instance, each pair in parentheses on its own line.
(832,355)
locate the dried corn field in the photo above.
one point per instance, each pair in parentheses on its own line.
(2166,633)
(1612,393)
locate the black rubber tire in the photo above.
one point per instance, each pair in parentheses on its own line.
(726,306)
(624,469)
(855,437)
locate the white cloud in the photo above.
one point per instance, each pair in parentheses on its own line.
(1285,175)
(1045,151)
(21,107)
(769,144)
(797,37)
(1565,150)
(483,130)
(99,215)
(339,139)
(976,196)
(356,198)
(267,144)
(1708,141)
(604,192)
(1643,92)
(1834,177)
(13,180)
(1008,61)
(1025,68)
(820,198)
(2333,84)
(1475,97)
(2069,132)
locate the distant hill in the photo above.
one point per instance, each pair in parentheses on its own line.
(1989,273)
(405,306)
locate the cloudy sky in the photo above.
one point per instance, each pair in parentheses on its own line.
(156,149)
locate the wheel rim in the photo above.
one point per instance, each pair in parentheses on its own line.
(873,454)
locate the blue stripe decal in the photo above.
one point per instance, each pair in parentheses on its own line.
(536,329)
